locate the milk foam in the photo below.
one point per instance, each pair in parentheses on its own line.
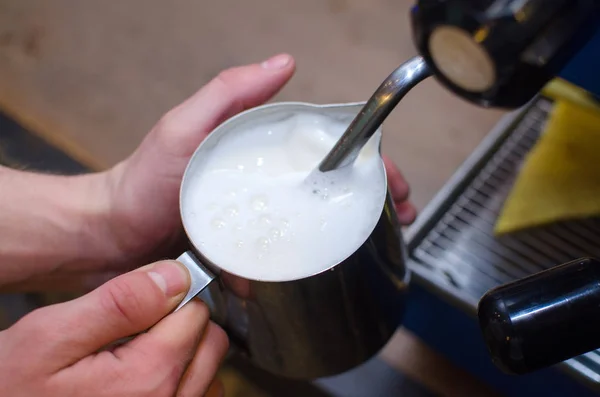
(250,212)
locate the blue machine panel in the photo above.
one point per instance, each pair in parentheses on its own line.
(584,69)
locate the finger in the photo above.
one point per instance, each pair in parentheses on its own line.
(398,186)
(204,366)
(124,306)
(231,92)
(407,213)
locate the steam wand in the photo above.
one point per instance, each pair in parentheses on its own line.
(375,111)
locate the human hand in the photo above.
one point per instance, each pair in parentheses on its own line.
(145,187)
(400,191)
(54,351)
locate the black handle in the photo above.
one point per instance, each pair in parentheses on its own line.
(543,319)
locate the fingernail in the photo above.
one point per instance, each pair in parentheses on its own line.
(277,62)
(171,278)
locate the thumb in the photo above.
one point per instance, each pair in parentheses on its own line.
(122,307)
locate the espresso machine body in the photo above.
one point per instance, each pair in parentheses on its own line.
(501,53)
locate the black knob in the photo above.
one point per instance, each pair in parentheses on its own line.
(543,319)
(501,52)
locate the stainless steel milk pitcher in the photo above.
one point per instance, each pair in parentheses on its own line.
(320,325)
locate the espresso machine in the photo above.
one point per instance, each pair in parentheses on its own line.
(532,312)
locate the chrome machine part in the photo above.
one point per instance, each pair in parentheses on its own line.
(375,111)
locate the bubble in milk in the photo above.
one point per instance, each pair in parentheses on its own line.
(259,203)
(264,220)
(262,244)
(218,223)
(232,211)
(275,234)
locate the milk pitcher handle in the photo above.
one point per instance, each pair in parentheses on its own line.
(200,275)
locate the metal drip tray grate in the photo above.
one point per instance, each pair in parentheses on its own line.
(455,247)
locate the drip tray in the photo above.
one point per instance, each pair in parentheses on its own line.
(453,249)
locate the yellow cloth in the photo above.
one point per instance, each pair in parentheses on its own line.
(561,176)
(560,90)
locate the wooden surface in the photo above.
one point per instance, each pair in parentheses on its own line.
(93,76)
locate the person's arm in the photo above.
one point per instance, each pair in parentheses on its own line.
(52,225)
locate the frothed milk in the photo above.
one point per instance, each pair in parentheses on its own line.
(251,212)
